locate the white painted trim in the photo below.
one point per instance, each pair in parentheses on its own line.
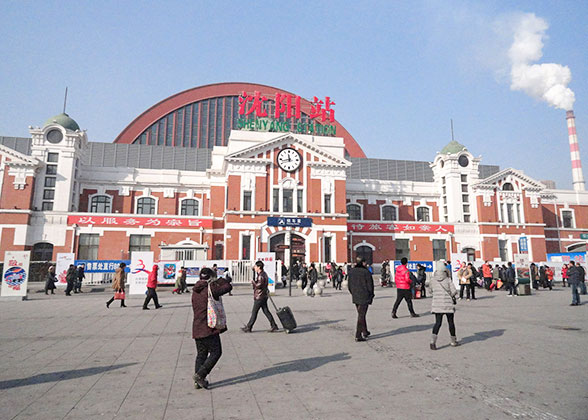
(561,210)
(389,205)
(364,243)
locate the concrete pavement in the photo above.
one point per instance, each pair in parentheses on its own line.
(71,358)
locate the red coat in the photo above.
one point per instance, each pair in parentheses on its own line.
(152,278)
(402,277)
(486,271)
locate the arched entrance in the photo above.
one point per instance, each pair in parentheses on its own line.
(277,244)
(42,251)
(365,252)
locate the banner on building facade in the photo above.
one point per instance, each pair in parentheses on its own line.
(457,261)
(63,261)
(269,266)
(15,275)
(193,269)
(102,266)
(566,257)
(161,222)
(141,266)
(399,227)
(412,265)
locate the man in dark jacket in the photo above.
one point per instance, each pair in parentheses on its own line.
(70,277)
(260,297)
(510,278)
(303,275)
(208,344)
(574,280)
(361,287)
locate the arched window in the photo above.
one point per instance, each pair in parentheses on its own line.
(190,207)
(145,205)
(366,253)
(100,204)
(354,211)
(42,251)
(471,253)
(423,214)
(507,186)
(389,213)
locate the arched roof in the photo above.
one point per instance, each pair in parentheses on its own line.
(140,124)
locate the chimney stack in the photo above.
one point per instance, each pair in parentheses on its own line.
(577,175)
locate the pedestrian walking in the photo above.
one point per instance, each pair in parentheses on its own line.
(537,276)
(564,275)
(574,281)
(487,275)
(50,280)
(403,282)
(473,280)
(361,287)
(510,278)
(207,339)
(151,286)
(338,278)
(582,278)
(421,280)
(464,274)
(549,274)
(80,276)
(495,276)
(118,285)
(260,297)
(70,278)
(443,303)
(178,286)
(304,275)
(312,278)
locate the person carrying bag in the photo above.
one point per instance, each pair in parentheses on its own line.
(118,285)
(444,301)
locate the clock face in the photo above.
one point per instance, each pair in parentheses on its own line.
(289,159)
(463,160)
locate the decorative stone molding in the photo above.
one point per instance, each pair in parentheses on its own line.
(169,192)
(124,190)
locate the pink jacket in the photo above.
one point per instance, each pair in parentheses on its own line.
(402,277)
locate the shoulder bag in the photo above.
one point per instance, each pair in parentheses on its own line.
(216,316)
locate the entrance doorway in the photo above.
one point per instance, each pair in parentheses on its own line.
(366,253)
(277,243)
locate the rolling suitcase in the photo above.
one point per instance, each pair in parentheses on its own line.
(286,317)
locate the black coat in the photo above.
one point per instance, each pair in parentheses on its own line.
(361,286)
(50,280)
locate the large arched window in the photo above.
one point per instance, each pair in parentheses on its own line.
(42,251)
(507,186)
(190,207)
(389,213)
(423,214)
(354,211)
(145,205)
(100,204)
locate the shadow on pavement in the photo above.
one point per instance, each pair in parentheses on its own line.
(300,365)
(403,330)
(485,297)
(63,375)
(482,336)
(314,326)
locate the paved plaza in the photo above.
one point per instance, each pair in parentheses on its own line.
(71,358)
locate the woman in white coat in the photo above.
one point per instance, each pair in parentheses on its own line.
(444,293)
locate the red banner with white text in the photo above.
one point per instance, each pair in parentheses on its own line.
(398,227)
(130,221)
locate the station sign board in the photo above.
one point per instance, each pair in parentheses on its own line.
(289,221)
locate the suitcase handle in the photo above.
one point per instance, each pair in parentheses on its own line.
(272,301)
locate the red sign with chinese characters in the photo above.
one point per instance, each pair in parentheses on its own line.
(287,105)
(131,221)
(399,227)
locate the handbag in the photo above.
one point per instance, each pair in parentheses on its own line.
(453,299)
(216,316)
(119,295)
(498,284)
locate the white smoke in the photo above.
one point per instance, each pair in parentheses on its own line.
(547,82)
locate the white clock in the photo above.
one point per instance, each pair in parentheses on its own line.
(289,159)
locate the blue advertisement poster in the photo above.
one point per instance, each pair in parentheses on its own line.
(102,266)
(412,265)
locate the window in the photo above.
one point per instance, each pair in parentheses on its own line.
(464,188)
(471,252)
(423,214)
(246,200)
(47,205)
(100,204)
(444,189)
(519,215)
(276,199)
(88,246)
(146,205)
(507,186)
(567,218)
(42,251)
(443,180)
(503,249)
(389,213)
(327,205)
(246,247)
(509,213)
(189,207)
(439,251)
(327,244)
(466,208)
(140,243)
(300,201)
(464,178)
(51,170)
(354,211)
(466,218)
(219,250)
(52,157)
(287,197)
(48,194)
(465,198)
(50,182)
(402,249)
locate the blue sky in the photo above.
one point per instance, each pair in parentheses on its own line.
(398,71)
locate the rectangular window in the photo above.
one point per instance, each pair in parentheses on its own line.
(300,201)
(444,190)
(327,205)
(445,200)
(288,203)
(276,198)
(140,243)
(52,157)
(503,249)
(465,198)
(464,188)
(48,194)
(50,182)
(195,115)
(402,248)
(443,180)
(47,205)
(246,200)
(466,208)
(567,219)
(466,218)
(439,251)
(88,246)
(246,251)
(519,215)
(327,240)
(510,213)
(51,170)
(464,178)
